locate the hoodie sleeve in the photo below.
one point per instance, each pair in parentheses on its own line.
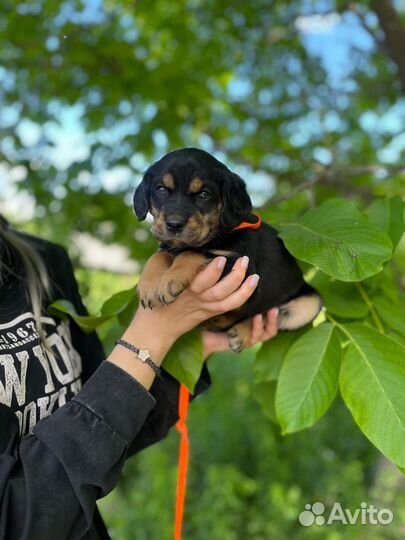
(50,480)
(165,414)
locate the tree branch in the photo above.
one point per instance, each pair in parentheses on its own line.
(335,177)
(362,20)
(394,34)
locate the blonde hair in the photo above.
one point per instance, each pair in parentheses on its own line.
(37,282)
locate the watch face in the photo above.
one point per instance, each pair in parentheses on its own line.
(143,354)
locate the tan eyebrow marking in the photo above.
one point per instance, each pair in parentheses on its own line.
(195,185)
(168,181)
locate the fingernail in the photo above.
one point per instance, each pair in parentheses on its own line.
(221,262)
(254,280)
(244,262)
(274,312)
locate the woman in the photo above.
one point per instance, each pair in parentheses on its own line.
(62,446)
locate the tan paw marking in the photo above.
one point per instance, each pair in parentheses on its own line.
(239,335)
(170,288)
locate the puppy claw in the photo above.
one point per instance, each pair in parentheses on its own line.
(170,290)
(148,301)
(166,300)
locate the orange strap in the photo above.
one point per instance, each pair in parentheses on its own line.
(246,225)
(184,401)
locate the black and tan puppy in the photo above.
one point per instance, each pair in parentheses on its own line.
(197,203)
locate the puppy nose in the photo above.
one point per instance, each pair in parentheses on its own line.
(175,223)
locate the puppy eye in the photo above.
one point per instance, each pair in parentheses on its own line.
(161,190)
(204,194)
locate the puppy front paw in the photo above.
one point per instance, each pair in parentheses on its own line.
(148,286)
(170,288)
(148,293)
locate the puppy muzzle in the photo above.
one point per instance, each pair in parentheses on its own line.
(175,223)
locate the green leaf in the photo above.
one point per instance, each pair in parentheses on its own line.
(118,302)
(61,308)
(265,395)
(127,314)
(336,238)
(185,359)
(392,312)
(114,306)
(308,379)
(339,298)
(372,382)
(271,355)
(388,215)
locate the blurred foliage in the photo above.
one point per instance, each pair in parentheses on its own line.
(91,92)
(140,78)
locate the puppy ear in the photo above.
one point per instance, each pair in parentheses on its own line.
(141,198)
(236,202)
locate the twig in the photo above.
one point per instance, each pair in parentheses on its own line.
(370,306)
(333,176)
(394,34)
(354,8)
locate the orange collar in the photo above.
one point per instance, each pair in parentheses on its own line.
(246,225)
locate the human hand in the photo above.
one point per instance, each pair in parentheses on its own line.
(157,329)
(263,329)
(206,297)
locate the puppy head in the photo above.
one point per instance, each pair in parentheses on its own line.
(192,197)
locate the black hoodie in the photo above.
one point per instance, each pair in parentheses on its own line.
(68,420)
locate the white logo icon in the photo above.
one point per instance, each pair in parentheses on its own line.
(366,514)
(312,514)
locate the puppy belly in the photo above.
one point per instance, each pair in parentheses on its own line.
(221,323)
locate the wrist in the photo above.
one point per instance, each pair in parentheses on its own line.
(146,331)
(142,354)
(149,330)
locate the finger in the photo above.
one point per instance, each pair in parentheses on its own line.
(263,330)
(271,324)
(209,276)
(235,299)
(257,329)
(230,283)
(214,342)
